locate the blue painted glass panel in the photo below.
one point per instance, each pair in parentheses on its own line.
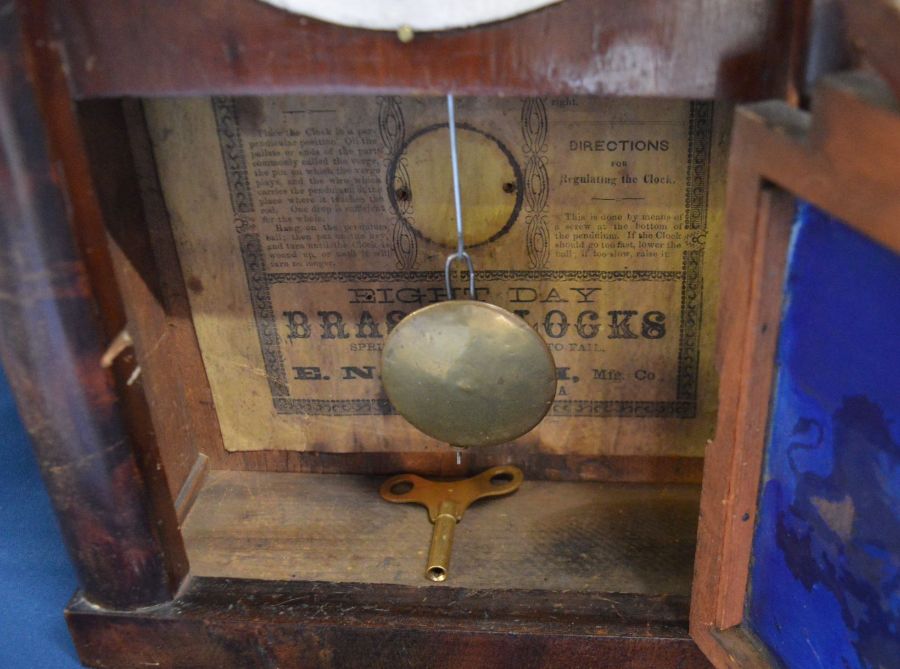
(825,577)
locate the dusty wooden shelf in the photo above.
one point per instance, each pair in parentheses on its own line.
(592,537)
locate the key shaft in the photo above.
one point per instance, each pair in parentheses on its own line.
(438,564)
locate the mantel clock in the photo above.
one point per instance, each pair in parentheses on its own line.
(231,235)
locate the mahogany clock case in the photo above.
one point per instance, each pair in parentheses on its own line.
(193,554)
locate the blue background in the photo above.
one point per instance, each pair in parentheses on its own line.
(825,577)
(36,577)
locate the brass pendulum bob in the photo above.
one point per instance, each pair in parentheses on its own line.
(466,372)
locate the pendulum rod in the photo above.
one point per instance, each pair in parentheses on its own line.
(461,253)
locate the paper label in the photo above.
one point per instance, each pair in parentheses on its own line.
(594,220)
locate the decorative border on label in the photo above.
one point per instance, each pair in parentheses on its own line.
(433,276)
(537,182)
(696,201)
(228,126)
(392,130)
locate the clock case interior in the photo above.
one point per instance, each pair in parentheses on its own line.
(591,540)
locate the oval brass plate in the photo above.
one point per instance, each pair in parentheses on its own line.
(489,182)
(468,373)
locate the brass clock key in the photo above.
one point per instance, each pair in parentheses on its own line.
(446,502)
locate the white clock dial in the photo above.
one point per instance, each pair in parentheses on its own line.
(420,15)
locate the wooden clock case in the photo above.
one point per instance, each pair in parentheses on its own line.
(86,254)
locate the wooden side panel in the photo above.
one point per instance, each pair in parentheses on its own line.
(688,49)
(776,213)
(117,528)
(145,266)
(732,467)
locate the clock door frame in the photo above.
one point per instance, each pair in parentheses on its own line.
(841,158)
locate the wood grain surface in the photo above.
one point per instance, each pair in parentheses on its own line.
(240,624)
(557,536)
(688,49)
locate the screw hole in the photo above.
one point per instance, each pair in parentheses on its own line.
(401,487)
(437,574)
(509,187)
(402,194)
(502,478)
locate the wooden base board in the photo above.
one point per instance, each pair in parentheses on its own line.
(590,537)
(306,570)
(240,624)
